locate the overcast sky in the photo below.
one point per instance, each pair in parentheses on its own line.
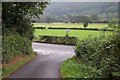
(85,0)
(60,0)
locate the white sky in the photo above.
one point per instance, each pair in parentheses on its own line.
(60,0)
(85,0)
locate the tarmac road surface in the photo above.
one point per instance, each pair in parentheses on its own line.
(47,62)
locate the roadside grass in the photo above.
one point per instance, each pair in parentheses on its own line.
(15,64)
(70,25)
(81,34)
(71,68)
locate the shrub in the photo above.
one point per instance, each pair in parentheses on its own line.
(58,40)
(14,45)
(101,54)
(87,47)
(85,24)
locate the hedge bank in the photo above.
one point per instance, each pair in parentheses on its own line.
(13,45)
(57,40)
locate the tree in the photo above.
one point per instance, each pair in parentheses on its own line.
(85,24)
(17,15)
(17,30)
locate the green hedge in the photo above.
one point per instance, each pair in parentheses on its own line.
(94,29)
(57,40)
(104,55)
(39,27)
(14,45)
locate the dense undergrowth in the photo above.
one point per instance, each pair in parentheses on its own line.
(13,45)
(104,55)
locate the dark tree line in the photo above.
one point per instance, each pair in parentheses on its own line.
(70,18)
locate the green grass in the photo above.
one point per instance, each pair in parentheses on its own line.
(69,69)
(70,25)
(81,34)
(72,69)
(6,71)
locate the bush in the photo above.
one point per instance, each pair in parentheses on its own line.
(14,45)
(101,54)
(58,40)
(85,24)
(87,47)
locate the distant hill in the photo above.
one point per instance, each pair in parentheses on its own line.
(72,11)
(83,8)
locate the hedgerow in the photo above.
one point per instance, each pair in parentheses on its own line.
(57,40)
(103,55)
(13,45)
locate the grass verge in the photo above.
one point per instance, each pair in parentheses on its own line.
(71,68)
(15,64)
(74,68)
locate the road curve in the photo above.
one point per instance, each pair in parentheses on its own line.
(47,62)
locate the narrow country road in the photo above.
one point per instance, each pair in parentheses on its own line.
(47,62)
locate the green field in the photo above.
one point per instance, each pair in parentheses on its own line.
(81,34)
(69,25)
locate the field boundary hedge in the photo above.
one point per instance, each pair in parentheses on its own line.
(54,28)
(57,40)
(39,27)
(96,29)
